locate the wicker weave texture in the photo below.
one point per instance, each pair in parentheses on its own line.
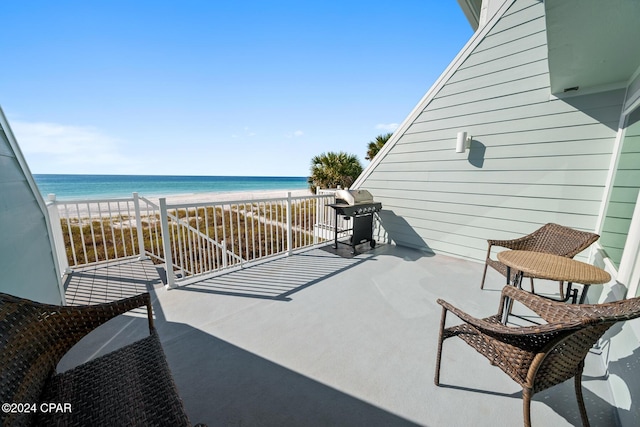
(541,356)
(131,386)
(551,238)
(553,267)
(35,336)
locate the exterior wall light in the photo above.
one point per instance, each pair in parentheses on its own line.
(463,142)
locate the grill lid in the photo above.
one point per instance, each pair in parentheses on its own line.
(353,197)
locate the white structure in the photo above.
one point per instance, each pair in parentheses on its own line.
(27,255)
(550,93)
(553,135)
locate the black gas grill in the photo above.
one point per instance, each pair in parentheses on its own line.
(359,206)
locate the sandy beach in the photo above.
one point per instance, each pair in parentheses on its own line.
(78,208)
(223,197)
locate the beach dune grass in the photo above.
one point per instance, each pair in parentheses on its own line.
(249,231)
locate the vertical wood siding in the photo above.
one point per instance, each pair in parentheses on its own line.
(533,159)
(26,260)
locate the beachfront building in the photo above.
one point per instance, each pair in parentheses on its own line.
(27,255)
(548,94)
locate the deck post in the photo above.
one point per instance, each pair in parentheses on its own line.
(166,244)
(58,239)
(224,254)
(289,231)
(136,207)
(319,202)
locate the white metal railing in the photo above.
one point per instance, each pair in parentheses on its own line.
(201,238)
(97,230)
(211,236)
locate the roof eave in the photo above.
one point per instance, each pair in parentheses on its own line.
(471,9)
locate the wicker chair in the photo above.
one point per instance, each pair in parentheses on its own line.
(550,238)
(541,356)
(130,386)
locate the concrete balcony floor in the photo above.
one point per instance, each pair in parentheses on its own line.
(326,338)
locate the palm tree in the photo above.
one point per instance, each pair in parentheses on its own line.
(328,170)
(376,145)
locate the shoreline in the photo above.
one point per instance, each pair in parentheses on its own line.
(95,187)
(77,207)
(228,196)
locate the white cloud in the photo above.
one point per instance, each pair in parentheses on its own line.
(75,149)
(390,127)
(295,134)
(246,132)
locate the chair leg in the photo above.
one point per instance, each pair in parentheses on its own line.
(561,283)
(533,290)
(526,406)
(484,275)
(486,264)
(436,378)
(578,385)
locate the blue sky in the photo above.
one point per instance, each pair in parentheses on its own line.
(215,88)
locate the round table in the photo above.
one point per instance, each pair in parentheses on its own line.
(553,267)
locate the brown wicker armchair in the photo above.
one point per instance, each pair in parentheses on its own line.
(130,386)
(541,356)
(551,238)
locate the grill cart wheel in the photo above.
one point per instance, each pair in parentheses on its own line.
(373,244)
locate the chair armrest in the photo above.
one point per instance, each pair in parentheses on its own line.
(56,319)
(549,310)
(514,244)
(88,317)
(69,324)
(66,325)
(504,332)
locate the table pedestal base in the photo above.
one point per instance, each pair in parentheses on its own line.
(570,294)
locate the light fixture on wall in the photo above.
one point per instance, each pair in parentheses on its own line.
(463,142)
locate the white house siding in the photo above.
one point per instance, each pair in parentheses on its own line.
(26,261)
(624,192)
(533,159)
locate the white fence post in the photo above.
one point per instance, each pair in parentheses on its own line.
(224,254)
(319,206)
(58,238)
(136,207)
(289,228)
(166,244)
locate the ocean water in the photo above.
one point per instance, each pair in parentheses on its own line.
(73,187)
